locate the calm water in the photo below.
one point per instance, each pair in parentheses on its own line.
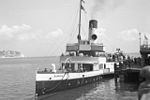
(17,82)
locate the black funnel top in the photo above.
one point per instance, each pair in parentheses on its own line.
(93,23)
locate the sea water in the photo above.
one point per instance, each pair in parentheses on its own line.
(17,82)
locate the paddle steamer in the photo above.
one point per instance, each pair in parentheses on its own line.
(85,63)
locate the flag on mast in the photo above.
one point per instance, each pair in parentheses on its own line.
(83,1)
(82,8)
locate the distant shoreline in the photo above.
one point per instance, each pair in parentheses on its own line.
(10,54)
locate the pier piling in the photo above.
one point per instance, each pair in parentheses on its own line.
(144,88)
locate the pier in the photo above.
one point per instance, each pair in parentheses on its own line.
(129,70)
(144,88)
(129,74)
(136,72)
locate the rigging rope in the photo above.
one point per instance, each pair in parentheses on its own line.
(57,85)
(73,30)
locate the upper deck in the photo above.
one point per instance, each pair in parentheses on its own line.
(82,59)
(85,45)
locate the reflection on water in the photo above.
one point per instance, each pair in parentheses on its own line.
(132,87)
(103,90)
(126,91)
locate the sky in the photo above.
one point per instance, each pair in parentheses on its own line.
(44,27)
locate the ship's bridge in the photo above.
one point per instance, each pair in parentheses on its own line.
(85,45)
(84,59)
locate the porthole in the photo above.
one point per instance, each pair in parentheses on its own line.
(69,84)
(78,82)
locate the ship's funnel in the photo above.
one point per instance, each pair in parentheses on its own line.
(92,29)
(93,24)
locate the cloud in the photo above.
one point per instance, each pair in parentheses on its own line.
(14,31)
(58,32)
(129,35)
(104,6)
(26,32)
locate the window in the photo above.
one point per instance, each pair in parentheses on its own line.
(88,67)
(104,66)
(100,66)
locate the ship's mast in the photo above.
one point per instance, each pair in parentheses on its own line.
(79,33)
(139,40)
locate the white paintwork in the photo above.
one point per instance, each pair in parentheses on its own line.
(102,60)
(64,76)
(54,68)
(96,67)
(110,65)
(97,70)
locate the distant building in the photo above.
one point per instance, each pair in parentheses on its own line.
(10,54)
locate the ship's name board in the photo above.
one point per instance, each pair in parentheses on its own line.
(58,75)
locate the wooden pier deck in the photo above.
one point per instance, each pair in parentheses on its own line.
(129,74)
